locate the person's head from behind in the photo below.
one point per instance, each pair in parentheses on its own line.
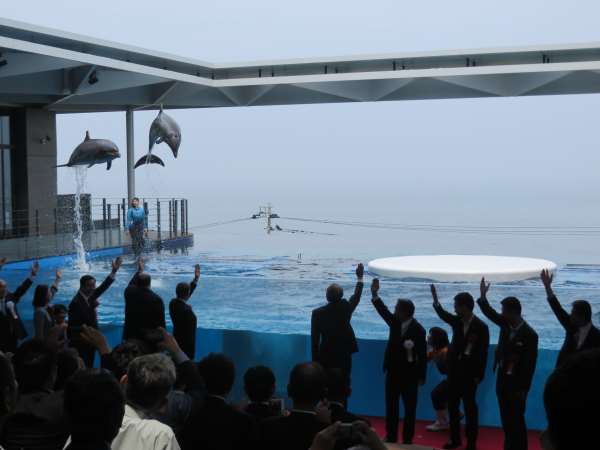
(144,280)
(511,310)
(94,404)
(148,382)
(334,293)
(581,313)
(571,399)
(307,385)
(87,285)
(9,388)
(41,296)
(404,310)
(59,313)
(35,367)
(135,202)
(67,363)
(3,288)
(464,305)
(338,385)
(183,290)
(218,372)
(438,338)
(259,384)
(122,355)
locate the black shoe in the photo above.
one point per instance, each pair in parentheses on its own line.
(451,444)
(471,447)
(390,440)
(407,443)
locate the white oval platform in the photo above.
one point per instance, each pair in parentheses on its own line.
(454,268)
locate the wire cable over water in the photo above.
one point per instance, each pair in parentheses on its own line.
(523,230)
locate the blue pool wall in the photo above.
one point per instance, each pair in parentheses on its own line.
(281,352)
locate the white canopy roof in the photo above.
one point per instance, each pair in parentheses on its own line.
(72,73)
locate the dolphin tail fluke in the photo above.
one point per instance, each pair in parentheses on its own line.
(149,159)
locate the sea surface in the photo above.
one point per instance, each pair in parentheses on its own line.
(266,286)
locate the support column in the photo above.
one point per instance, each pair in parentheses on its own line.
(130,155)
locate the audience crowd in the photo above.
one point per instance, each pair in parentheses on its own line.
(148,392)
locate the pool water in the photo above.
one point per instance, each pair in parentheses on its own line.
(277,293)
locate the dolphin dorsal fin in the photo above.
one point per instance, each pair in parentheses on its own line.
(161,108)
(87,136)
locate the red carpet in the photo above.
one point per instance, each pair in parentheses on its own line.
(489,438)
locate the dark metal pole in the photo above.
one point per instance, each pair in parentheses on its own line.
(124,214)
(170,219)
(182,218)
(104,213)
(37,222)
(175,217)
(158,218)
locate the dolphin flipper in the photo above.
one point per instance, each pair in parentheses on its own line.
(149,159)
(108,165)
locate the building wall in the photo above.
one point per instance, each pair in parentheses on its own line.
(41,171)
(34,172)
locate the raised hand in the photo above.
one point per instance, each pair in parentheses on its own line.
(360,271)
(326,439)
(547,278)
(57,275)
(483,288)
(169,342)
(35,268)
(116,264)
(196,271)
(95,338)
(375,287)
(2,262)
(141,265)
(323,412)
(368,435)
(436,300)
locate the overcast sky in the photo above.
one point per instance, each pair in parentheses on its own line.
(481,161)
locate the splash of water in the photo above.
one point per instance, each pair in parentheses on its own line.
(80,262)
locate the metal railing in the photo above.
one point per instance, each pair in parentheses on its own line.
(50,231)
(166,216)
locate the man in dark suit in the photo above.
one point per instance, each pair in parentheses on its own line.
(514,363)
(82,311)
(580,333)
(405,364)
(307,389)
(259,385)
(11,326)
(217,425)
(144,309)
(183,317)
(332,335)
(467,360)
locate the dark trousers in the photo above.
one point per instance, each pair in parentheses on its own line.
(136,230)
(512,401)
(399,385)
(86,352)
(336,361)
(465,389)
(439,396)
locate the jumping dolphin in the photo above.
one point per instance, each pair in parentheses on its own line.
(149,159)
(93,151)
(165,129)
